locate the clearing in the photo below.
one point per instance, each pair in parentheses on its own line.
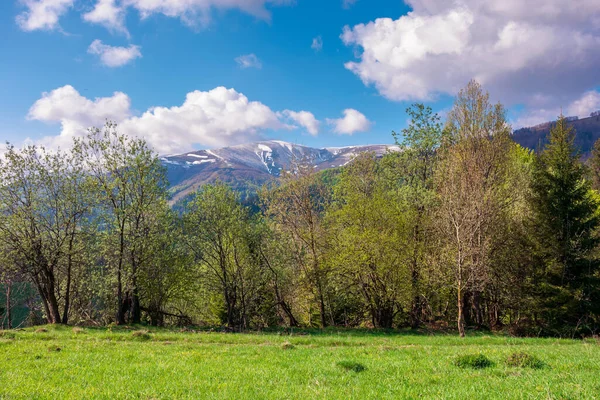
(57,362)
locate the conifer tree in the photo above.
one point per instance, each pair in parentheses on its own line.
(564,223)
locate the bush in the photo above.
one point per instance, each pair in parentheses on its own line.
(142,335)
(475,361)
(7,335)
(287,346)
(524,360)
(351,366)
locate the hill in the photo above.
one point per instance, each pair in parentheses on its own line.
(587,133)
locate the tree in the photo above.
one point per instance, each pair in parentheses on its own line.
(594,163)
(220,234)
(564,227)
(166,281)
(369,240)
(43,201)
(413,170)
(297,209)
(130,185)
(279,267)
(469,181)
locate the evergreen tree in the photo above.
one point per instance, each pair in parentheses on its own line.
(565,216)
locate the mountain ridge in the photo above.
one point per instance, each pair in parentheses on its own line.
(246,167)
(254,164)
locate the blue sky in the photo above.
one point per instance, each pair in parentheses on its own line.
(55,81)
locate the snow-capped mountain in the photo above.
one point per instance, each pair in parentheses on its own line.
(252,164)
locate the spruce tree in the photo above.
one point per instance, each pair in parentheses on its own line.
(565,216)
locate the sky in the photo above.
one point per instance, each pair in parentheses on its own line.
(194,74)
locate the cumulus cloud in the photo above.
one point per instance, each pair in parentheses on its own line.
(317,44)
(305,119)
(539,53)
(581,107)
(42,14)
(219,117)
(108,14)
(76,113)
(113,56)
(352,122)
(585,105)
(45,14)
(249,61)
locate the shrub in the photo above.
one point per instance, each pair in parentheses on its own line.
(142,334)
(351,366)
(7,335)
(524,360)
(475,361)
(287,346)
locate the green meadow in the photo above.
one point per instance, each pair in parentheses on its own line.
(57,362)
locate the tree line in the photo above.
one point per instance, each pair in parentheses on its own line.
(460,229)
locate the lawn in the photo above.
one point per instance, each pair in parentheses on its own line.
(63,362)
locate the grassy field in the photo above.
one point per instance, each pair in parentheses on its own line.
(75,363)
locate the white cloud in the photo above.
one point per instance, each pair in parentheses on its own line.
(199,12)
(584,106)
(249,61)
(108,14)
(219,117)
(539,53)
(45,14)
(305,119)
(42,14)
(76,113)
(348,3)
(352,122)
(114,56)
(317,44)
(581,107)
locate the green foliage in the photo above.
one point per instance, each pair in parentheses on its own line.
(474,361)
(141,335)
(460,227)
(524,360)
(351,366)
(564,223)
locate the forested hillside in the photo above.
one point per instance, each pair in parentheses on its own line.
(587,128)
(463,228)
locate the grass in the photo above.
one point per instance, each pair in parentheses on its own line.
(475,361)
(524,360)
(119,363)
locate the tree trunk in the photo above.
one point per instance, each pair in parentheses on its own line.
(8,305)
(286,309)
(136,315)
(51,305)
(322,309)
(65,317)
(415,319)
(461,315)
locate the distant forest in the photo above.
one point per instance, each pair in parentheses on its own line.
(462,229)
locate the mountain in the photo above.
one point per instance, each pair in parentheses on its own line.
(249,166)
(587,132)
